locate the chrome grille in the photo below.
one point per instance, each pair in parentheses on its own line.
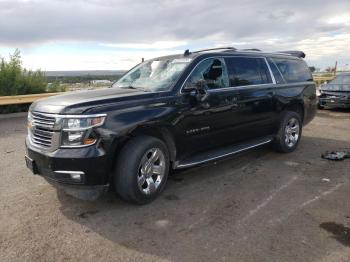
(42,136)
(43,120)
(42,131)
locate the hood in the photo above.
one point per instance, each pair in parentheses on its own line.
(335,87)
(78,102)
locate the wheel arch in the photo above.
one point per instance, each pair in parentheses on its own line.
(297,107)
(161,132)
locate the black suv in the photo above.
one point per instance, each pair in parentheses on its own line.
(171,112)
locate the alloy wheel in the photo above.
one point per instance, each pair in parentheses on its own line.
(151,171)
(292,132)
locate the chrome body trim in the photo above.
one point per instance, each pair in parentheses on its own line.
(70,116)
(69,172)
(237,88)
(81,146)
(231,87)
(285,82)
(271,73)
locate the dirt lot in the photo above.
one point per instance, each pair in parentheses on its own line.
(258,206)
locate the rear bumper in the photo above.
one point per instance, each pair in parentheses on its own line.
(81,167)
(334,102)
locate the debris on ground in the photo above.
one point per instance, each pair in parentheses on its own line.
(291,163)
(337,154)
(326,179)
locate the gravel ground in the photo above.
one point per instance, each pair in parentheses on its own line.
(258,206)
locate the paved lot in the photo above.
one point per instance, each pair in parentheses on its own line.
(258,206)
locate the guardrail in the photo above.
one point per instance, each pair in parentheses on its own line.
(26,99)
(322,79)
(23,99)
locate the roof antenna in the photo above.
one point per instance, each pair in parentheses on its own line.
(187,52)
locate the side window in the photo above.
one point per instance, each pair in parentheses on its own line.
(212,71)
(293,70)
(278,77)
(244,71)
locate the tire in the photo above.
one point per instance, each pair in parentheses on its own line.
(142,170)
(289,132)
(320,107)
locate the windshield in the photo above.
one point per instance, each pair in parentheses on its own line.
(154,75)
(340,83)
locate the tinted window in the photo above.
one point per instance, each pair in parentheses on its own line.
(212,71)
(278,77)
(293,70)
(245,71)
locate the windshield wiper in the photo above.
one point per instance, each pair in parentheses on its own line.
(129,87)
(135,88)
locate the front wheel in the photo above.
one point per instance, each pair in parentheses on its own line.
(142,169)
(289,132)
(319,106)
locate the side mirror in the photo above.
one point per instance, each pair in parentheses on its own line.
(202,91)
(189,87)
(199,90)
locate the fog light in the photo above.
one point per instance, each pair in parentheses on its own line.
(77,176)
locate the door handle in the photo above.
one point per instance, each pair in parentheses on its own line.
(232,101)
(235,105)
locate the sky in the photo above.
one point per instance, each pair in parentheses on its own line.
(117,34)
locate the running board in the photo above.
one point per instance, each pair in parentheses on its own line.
(220,153)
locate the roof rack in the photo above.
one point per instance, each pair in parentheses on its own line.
(250,49)
(229,48)
(299,54)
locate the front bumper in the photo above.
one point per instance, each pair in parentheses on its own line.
(90,163)
(334,102)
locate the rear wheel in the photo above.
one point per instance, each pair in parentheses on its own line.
(142,170)
(289,133)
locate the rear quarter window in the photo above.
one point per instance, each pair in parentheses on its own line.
(277,75)
(293,70)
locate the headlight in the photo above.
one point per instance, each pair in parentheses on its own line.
(78,130)
(318,92)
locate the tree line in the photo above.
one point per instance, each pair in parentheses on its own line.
(16,80)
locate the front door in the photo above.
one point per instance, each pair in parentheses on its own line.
(239,106)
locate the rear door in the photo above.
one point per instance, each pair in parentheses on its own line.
(250,78)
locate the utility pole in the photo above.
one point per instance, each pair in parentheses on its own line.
(335,68)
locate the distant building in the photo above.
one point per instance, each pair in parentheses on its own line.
(100,82)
